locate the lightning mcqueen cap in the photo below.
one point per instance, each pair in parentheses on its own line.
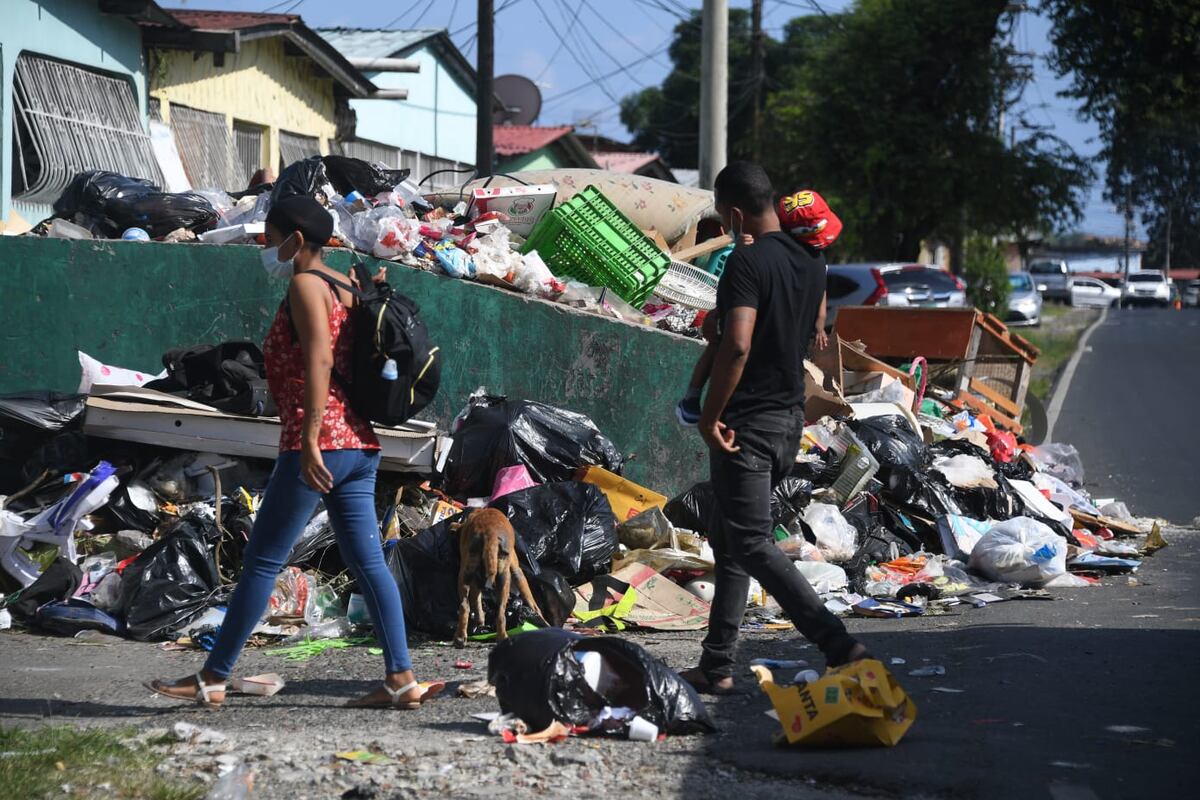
(808,217)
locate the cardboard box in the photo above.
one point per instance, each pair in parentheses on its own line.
(851,706)
(657,603)
(626,497)
(524,205)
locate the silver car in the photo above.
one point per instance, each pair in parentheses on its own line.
(891,285)
(1024,300)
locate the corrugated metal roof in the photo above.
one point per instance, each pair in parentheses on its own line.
(516,140)
(367,43)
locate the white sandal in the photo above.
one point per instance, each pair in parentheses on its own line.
(202,697)
(432,689)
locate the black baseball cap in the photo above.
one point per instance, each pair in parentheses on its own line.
(304,214)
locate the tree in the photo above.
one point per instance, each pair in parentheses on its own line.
(986,275)
(666,119)
(892,112)
(1135,68)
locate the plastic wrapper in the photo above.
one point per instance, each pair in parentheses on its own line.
(494,432)
(1067,497)
(108,203)
(835,536)
(567,526)
(348,175)
(534,277)
(495,257)
(1061,461)
(966,471)
(221,202)
(539,678)
(171,582)
(1020,550)
(822,576)
(395,235)
(93,373)
(454,262)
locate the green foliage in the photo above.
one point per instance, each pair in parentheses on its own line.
(986,275)
(890,110)
(1135,68)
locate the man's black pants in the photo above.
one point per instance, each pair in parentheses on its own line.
(743,541)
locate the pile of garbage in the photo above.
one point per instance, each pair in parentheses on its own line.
(376,211)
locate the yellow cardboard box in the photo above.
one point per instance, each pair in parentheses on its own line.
(626,497)
(859,704)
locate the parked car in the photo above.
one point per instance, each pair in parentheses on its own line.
(1147,286)
(891,285)
(1024,300)
(1053,279)
(1090,292)
(1191,294)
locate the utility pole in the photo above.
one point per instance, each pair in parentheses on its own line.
(714,89)
(1167,263)
(1128,227)
(758,58)
(484,90)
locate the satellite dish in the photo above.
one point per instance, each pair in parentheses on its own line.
(521,98)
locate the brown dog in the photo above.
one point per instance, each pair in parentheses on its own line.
(487,550)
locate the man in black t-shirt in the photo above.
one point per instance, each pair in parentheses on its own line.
(752,420)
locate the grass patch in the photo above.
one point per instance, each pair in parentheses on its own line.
(1057,337)
(36,762)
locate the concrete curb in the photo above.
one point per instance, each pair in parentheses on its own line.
(1064,383)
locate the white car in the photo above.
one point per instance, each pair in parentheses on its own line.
(1093,293)
(1148,286)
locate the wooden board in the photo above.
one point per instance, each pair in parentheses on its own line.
(1094,522)
(694,252)
(210,431)
(1006,405)
(980,407)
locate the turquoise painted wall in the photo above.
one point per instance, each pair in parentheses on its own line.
(437,119)
(126,303)
(69,30)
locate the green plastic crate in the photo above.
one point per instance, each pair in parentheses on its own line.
(589,239)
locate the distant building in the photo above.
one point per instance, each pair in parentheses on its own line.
(73,96)
(434,129)
(528,147)
(244,91)
(617,156)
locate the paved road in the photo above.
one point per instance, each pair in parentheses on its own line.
(1132,411)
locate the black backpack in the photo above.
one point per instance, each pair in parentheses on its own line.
(387,325)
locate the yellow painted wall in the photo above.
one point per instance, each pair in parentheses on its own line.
(259,84)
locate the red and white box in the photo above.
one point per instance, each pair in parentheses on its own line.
(523,205)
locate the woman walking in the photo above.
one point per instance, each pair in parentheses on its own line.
(326,451)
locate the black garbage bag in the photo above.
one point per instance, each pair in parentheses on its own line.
(48,412)
(893,442)
(108,203)
(129,507)
(57,582)
(538,678)
(230,376)
(301,178)
(553,594)
(171,582)
(982,503)
(425,568)
(821,474)
(568,527)
(693,509)
(348,175)
(551,442)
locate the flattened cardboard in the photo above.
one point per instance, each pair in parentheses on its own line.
(661,604)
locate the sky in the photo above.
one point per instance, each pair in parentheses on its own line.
(624,41)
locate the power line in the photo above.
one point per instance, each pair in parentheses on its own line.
(599,82)
(617,31)
(387,26)
(424,11)
(561,43)
(576,89)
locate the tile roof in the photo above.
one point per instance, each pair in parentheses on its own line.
(229,20)
(623,162)
(368,43)
(516,140)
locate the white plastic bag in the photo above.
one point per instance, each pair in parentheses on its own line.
(966,472)
(836,538)
(93,373)
(1062,493)
(397,235)
(1061,460)
(960,534)
(1020,550)
(533,276)
(823,577)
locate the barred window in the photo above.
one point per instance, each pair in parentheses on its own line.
(205,147)
(67,119)
(295,147)
(248,142)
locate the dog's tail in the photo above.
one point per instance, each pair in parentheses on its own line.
(491,560)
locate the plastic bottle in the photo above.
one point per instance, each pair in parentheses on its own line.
(234,785)
(390,371)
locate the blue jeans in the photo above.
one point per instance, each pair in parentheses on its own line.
(286,508)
